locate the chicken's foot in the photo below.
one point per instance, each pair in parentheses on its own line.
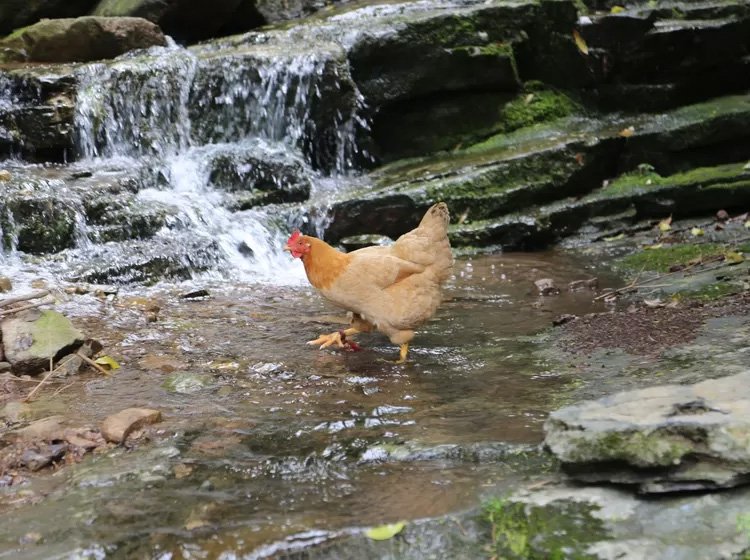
(338,338)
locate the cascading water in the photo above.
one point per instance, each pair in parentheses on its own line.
(168,115)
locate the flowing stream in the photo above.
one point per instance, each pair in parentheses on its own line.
(268,444)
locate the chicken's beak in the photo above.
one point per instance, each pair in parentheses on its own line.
(288,248)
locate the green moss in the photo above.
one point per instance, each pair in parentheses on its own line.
(662,258)
(711,292)
(557,531)
(637,448)
(535,105)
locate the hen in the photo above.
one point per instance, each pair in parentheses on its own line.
(392,289)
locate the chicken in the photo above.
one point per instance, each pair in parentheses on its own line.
(392,289)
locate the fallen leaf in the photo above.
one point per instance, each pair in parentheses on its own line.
(107,361)
(747,224)
(181,470)
(733,257)
(617,10)
(580,43)
(653,303)
(625,132)
(656,246)
(528,98)
(579,159)
(385,532)
(615,237)
(664,225)
(696,231)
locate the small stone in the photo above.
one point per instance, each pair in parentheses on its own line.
(69,365)
(5,176)
(198,294)
(722,215)
(546,287)
(15,411)
(562,319)
(5,284)
(34,459)
(117,427)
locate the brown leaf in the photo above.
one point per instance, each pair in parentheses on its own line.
(579,159)
(629,131)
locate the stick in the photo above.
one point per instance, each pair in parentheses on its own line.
(35,389)
(32,295)
(25,307)
(61,389)
(93,363)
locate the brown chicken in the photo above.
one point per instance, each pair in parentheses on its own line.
(392,289)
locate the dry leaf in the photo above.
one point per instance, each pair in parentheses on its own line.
(580,43)
(733,257)
(615,237)
(625,132)
(656,246)
(696,231)
(528,98)
(579,159)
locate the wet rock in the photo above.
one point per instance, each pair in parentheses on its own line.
(5,284)
(661,439)
(41,223)
(117,427)
(32,338)
(578,285)
(36,459)
(83,39)
(162,363)
(263,178)
(197,294)
(15,411)
(187,382)
(546,287)
(69,365)
(563,319)
(47,429)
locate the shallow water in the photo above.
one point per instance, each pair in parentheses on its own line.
(283,438)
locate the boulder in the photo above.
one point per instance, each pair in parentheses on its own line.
(81,39)
(31,338)
(661,439)
(15,14)
(188,20)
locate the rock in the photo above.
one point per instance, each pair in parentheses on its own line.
(5,284)
(546,287)
(197,294)
(164,364)
(361,241)
(4,366)
(35,459)
(31,338)
(5,176)
(69,365)
(117,427)
(15,411)
(15,14)
(188,20)
(660,439)
(722,215)
(186,382)
(83,39)
(47,429)
(563,319)
(578,285)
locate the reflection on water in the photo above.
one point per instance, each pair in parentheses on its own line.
(279,437)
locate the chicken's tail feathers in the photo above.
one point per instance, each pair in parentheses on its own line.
(437,215)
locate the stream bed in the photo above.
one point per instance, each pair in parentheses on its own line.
(265,437)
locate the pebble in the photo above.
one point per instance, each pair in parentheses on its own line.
(5,284)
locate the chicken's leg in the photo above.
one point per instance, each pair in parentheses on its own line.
(338,338)
(402,353)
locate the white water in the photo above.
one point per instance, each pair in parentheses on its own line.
(171,109)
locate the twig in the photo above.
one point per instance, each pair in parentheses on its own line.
(61,389)
(93,363)
(11,377)
(27,297)
(35,389)
(25,307)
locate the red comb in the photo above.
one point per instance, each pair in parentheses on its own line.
(294,236)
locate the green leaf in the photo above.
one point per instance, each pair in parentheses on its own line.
(747,224)
(617,10)
(696,231)
(385,532)
(107,361)
(656,246)
(615,237)
(580,43)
